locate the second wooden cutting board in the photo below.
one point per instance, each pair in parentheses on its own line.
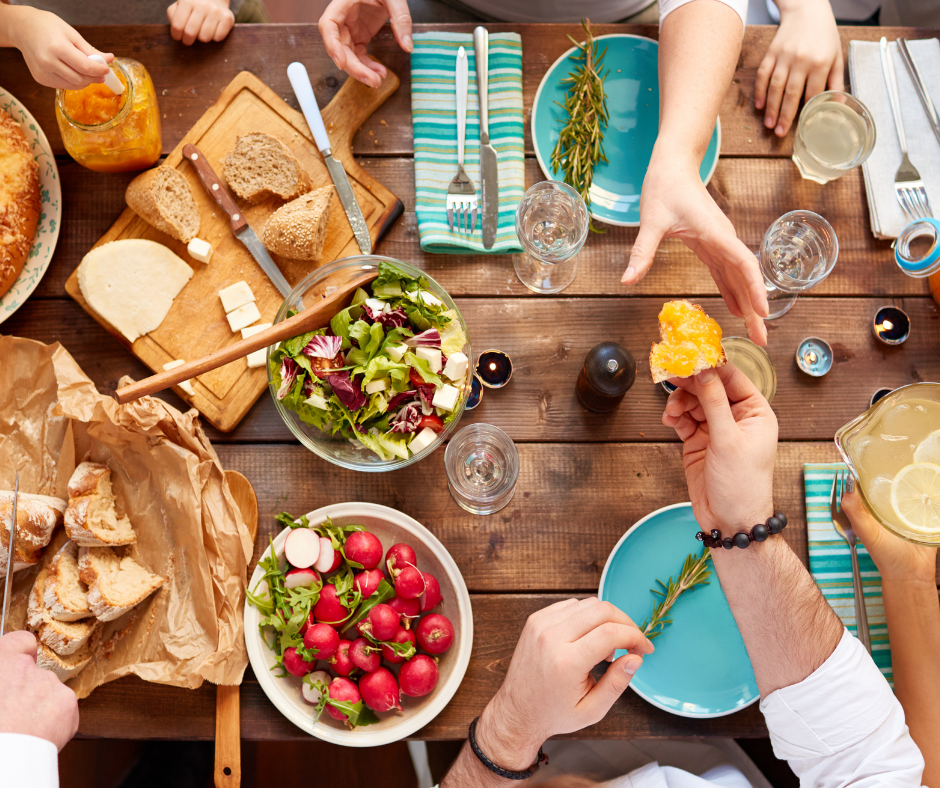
(196,324)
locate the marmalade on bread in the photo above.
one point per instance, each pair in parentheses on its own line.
(691,342)
(20,202)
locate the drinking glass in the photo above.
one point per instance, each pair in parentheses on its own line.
(835,134)
(797,253)
(482,467)
(552,226)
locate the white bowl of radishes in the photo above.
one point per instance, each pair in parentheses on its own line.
(359,637)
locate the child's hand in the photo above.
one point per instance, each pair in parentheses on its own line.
(207,20)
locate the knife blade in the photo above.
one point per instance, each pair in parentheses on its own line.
(920,86)
(300,82)
(8,580)
(240,227)
(489,174)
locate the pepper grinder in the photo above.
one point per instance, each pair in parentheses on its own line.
(608,373)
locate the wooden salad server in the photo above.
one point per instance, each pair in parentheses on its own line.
(309,319)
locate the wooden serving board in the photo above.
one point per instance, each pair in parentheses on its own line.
(196,324)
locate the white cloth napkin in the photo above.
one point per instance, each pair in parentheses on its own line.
(868,85)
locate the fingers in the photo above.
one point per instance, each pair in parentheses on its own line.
(796,82)
(20,642)
(836,80)
(778,83)
(585,618)
(400,18)
(224,27)
(611,686)
(179,17)
(602,640)
(643,252)
(192,27)
(711,394)
(550,615)
(762,82)
(859,516)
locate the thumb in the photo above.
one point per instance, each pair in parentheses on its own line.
(612,684)
(643,251)
(714,401)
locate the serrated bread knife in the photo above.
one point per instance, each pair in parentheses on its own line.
(489,175)
(300,82)
(11,553)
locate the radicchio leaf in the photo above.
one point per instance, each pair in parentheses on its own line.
(429,338)
(309,387)
(427,394)
(370,315)
(394,319)
(289,370)
(348,392)
(406,420)
(398,399)
(323,347)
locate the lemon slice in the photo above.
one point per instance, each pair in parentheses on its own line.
(928,450)
(915,496)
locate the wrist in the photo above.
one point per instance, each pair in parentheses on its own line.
(503,741)
(11,22)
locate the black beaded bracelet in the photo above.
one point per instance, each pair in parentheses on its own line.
(506,773)
(759,533)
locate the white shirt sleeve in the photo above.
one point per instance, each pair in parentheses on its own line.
(28,762)
(842,725)
(666,7)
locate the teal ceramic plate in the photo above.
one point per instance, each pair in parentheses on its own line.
(633,106)
(700,667)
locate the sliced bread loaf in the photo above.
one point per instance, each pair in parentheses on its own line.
(298,229)
(91,519)
(115,584)
(162,197)
(66,667)
(261,166)
(63,637)
(65,597)
(36,519)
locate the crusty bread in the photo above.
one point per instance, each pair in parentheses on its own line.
(162,197)
(690,339)
(63,637)
(64,596)
(261,166)
(91,519)
(36,519)
(69,666)
(115,584)
(298,229)
(20,201)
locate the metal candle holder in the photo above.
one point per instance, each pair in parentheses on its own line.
(814,356)
(476,392)
(891,325)
(494,369)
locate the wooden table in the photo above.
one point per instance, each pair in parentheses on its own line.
(584,478)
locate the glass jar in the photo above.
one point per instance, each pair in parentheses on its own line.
(109,133)
(917,252)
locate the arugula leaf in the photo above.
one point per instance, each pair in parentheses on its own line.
(357,714)
(287,519)
(346,590)
(320,686)
(381,594)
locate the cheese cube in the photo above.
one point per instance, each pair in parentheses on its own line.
(397,352)
(252,330)
(379,384)
(236,295)
(456,367)
(243,316)
(257,358)
(430,299)
(445,397)
(318,402)
(186,385)
(433,356)
(199,250)
(422,440)
(376,304)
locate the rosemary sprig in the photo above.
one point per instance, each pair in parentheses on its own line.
(581,143)
(693,573)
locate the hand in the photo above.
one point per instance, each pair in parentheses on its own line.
(348,25)
(33,701)
(674,203)
(896,558)
(549,688)
(205,20)
(729,436)
(805,57)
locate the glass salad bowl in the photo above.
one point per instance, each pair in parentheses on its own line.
(336,448)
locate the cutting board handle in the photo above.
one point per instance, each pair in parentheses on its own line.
(214,187)
(352,106)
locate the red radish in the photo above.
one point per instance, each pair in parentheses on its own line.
(406,608)
(410,583)
(295,664)
(307,624)
(381,623)
(364,655)
(302,547)
(418,676)
(341,689)
(397,557)
(299,578)
(322,640)
(315,685)
(432,596)
(329,559)
(328,609)
(380,691)
(435,633)
(368,581)
(401,636)
(364,548)
(340,661)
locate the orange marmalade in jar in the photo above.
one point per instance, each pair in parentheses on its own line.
(109,133)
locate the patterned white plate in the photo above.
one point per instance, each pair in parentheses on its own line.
(50,219)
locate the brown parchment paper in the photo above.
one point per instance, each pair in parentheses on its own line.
(169,481)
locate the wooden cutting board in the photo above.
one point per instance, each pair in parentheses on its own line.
(196,324)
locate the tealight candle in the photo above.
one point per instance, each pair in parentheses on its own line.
(814,356)
(494,369)
(891,325)
(879,395)
(476,392)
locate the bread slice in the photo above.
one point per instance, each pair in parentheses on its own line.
(115,584)
(91,519)
(36,519)
(162,197)
(63,637)
(66,667)
(64,596)
(691,342)
(298,229)
(20,200)
(261,166)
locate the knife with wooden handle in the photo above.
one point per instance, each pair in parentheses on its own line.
(489,174)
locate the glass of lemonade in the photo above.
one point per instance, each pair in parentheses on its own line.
(835,134)
(893,449)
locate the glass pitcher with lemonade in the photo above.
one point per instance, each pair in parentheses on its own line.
(893,449)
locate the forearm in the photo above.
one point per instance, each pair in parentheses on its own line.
(11,17)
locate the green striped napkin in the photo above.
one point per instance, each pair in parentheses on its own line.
(831,564)
(434,115)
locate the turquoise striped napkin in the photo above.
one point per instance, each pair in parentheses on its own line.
(831,564)
(434,116)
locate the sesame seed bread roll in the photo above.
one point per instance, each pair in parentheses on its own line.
(297,230)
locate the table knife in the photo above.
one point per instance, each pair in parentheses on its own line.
(300,82)
(920,86)
(489,176)
(240,227)
(8,580)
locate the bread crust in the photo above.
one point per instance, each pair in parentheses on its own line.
(36,519)
(231,163)
(95,577)
(65,639)
(297,230)
(54,597)
(89,482)
(20,201)
(141,198)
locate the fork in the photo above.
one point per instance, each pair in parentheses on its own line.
(842,524)
(908,185)
(461,195)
